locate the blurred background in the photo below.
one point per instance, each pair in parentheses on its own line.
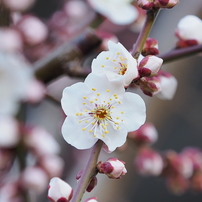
(178,121)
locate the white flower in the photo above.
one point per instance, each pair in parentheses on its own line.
(100,109)
(59,190)
(120,12)
(190,28)
(15,75)
(117,63)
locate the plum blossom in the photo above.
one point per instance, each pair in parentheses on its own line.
(59,190)
(100,109)
(19,5)
(119,12)
(117,63)
(15,76)
(189,31)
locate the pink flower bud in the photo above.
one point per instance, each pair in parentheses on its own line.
(150,47)
(113,168)
(149,162)
(59,190)
(93,199)
(146,134)
(19,5)
(10,40)
(35,179)
(145,4)
(35,91)
(168,85)
(149,66)
(165,3)
(33,30)
(189,31)
(9,135)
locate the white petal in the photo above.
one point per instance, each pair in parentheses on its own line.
(73,134)
(72,98)
(134,111)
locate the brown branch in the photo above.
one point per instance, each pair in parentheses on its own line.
(180,53)
(52,66)
(5,17)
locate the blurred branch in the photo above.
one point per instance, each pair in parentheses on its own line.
(5,17)
(52,66)
(180,53)
(150,19)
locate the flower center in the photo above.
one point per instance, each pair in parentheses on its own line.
(123,69)
(101,113)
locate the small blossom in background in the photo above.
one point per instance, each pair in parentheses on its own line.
(52,164)
(120,12)
(146,134)
(148,162)
(35,179)
(11,93)
(41,141)
(9,135)
(189,31)
(117,63)
(59,190)
(37,34)
(20,5)
(10,40)
(113,168)
(101,110)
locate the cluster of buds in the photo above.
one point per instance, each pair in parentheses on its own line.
(188,31)
(43,162)
(182,171)
(156,4)
(113,168)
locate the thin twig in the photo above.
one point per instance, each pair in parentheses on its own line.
(89,172)
(176,54)
(150,19)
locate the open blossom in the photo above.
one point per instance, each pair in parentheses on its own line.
(15,76)
(117,63)
(189,31)
(119,12)
(19,5)
(59,190)
(100,109)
